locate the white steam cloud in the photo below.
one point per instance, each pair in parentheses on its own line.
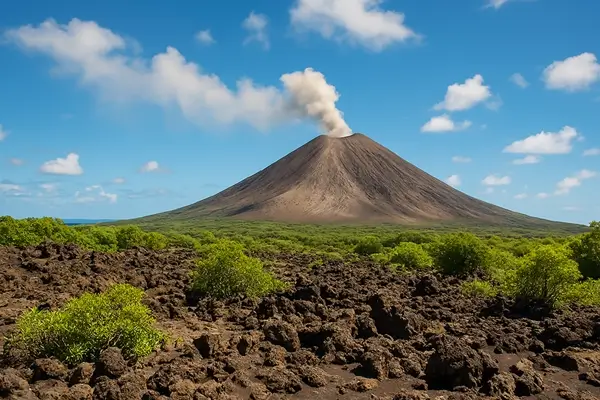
(313,97)
(111,65)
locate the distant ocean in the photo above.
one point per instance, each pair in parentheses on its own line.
(85,221)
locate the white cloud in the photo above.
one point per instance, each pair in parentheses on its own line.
(542,195)
(462,96)
(573,74)
(453,180)
(48,187)
(256,25)
(519,80)
(119,181)
(10,187)
(530,159)
(461,159)
(521,196)
(93,194)
(361,22)
(592,152)
(16,161)
(150,166)
(495,180)
(566,185)
(204,37)
(444,123)
(546,142)
(63,166)
(496,3)
(106,62)
(3,133)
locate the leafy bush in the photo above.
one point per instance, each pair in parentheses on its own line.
(546,275)
(460,254)
(368,245)
(586,252)
(586,293)
(130,236)
(410,255)
(87,325)
(479,288)
(225,271)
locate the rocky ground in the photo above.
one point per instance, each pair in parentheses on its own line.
(344,331)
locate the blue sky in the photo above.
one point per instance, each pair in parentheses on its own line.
(116,110)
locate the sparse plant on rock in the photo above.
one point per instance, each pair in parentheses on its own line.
(586,252)
(87,325)
(225,271)
(410,256)
(461,254)
(368,245)
(547,274)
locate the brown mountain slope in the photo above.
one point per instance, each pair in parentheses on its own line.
(351,179)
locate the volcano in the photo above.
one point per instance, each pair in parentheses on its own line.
(351,180)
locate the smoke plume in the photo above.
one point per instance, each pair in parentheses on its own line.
(312,97)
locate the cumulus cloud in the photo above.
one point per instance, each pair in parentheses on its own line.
(546,142)
(496,4)
(10,187)
(16,161)
(530,159)
(463,96)
(150,166)
(361,22)
(3,133)
(495,180)
(521,196)
(100,58)
(95,193)
(566,185)
(572,74)
(542,195)
(48,187)
(592,152)
(519,80)
(63,166)
(256,25)
(204,37)
(453,180)
(461,159)
(444,123)
(119,181)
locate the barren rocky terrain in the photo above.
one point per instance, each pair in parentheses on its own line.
(343,331)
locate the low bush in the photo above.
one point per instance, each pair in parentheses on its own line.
(586,293)
(410,255)
(546,276)
(225,271)
(479,288)
(460,254)
(586,252)
(85,326)
(368,245)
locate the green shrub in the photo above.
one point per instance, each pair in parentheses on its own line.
(546,275)
(87,325)
(225,271)
(368,245)
(380,258)
(411,256)
(130,236)
(586,293)
(155,241)
(479,288)
(181,241)
(460,254)
(586,252)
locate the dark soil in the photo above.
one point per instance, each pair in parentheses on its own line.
(344,331)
